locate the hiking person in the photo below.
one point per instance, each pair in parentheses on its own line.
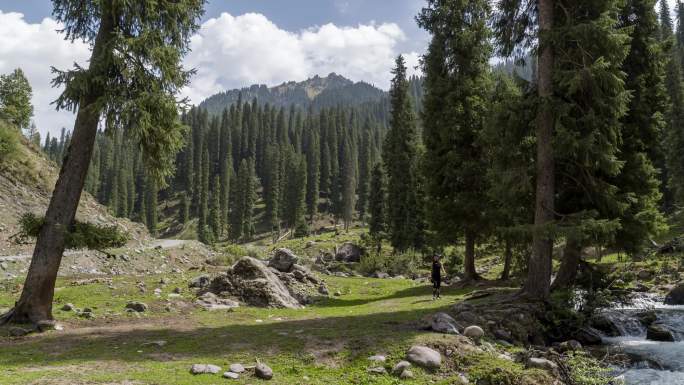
(436,277)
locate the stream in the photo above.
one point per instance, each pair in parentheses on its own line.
(654,362)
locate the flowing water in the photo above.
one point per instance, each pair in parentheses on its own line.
(655,363)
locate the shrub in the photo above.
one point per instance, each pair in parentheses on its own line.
(79,236)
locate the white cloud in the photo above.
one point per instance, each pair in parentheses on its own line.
(236,51)
(34,48)
(228,52)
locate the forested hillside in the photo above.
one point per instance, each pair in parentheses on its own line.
(267,164)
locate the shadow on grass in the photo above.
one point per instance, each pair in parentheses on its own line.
(360,336)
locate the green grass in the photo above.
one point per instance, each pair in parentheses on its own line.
(328,342)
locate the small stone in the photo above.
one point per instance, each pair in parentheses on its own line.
(263,371)
(377,358)
(400,367)
(237,368)
(231,375)
(570,346)
(18,332)
(541,363)
(377,370)
(136,306)
(68,307)
(473,332)
(406,374)
(159,343)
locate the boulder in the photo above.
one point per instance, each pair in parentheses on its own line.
(135,306)
(349,252)
(380,275)
(588,336)
(657,332)
(675,296)
(424,357)
(263,371)
(443,323)
(200,282)
(254,283)
(283,260)
(604,324)
(647,317)
(68,307)
(473,332)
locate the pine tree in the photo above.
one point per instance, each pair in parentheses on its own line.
(364,172)
(271,183)
(215,225)
(313,162)
(642,128)
(152,213)
(347,183)
(400,157)
(377,202)
(184,208)
(203,232)
(457,90)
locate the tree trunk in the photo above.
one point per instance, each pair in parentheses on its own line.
(567,272)
(35,303)
(537,286)
(469,262)
(508,259)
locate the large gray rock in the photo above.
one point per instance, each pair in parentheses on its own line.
(283,260)
(424,357)
(254,283)
(675,296)
(349,252)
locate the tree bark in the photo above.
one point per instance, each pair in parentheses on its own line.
(35,303)
(537,286)
(508,259)
(469,261)
(567,272)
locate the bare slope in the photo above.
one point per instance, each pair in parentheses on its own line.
(26,183)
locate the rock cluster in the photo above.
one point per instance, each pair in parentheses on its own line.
(281,284)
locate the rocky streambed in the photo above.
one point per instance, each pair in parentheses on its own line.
(650,334)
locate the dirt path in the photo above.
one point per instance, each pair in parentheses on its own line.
(163,243)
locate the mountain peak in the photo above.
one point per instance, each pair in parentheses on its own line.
(317,91)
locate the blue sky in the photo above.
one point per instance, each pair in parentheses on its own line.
(240,42)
